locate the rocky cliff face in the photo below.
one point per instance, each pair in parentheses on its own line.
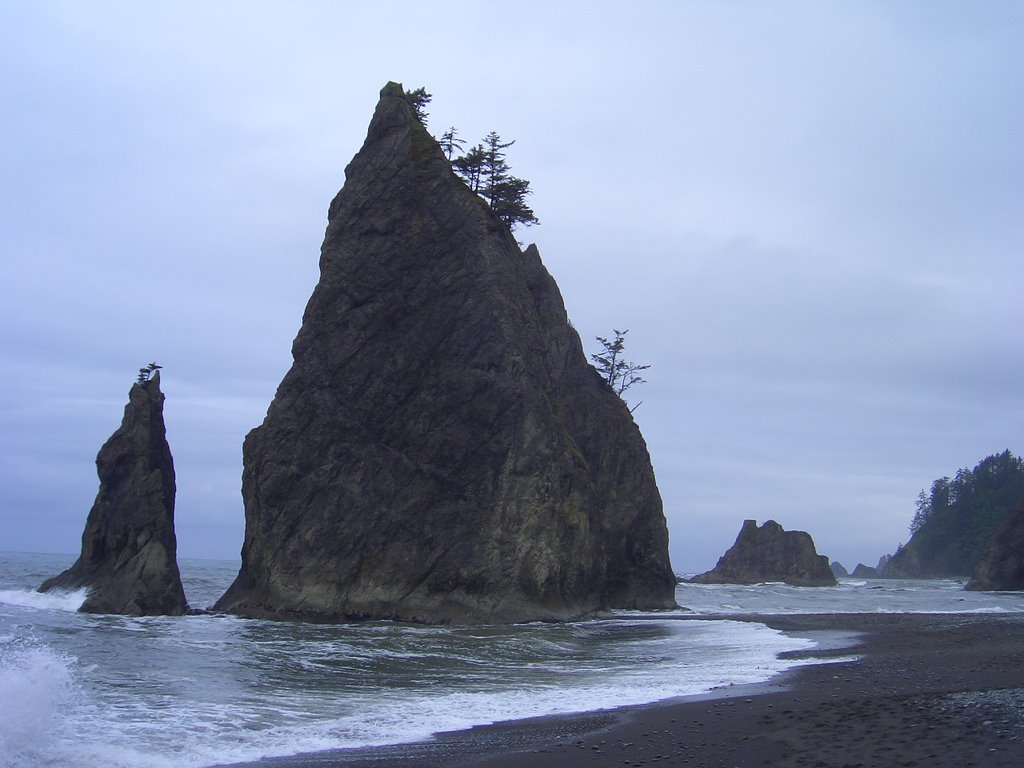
(441,451)
(1002,566)
(770,553)
(129,551)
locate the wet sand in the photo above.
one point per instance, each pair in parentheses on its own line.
(929,690)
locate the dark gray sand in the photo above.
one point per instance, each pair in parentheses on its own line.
(927,690)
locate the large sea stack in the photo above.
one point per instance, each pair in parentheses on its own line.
(770,553)
(129,551)
(441,451)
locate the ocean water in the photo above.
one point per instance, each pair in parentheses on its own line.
(849,596)
(183,692)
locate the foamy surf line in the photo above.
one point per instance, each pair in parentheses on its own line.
(520,727)
(802,706)
(804,646)
(67,696)
(57,600)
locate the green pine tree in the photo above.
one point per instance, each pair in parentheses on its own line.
(618,373)
(419,99)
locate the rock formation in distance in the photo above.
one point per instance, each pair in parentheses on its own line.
(1002,566)
(838,570)
(441,450)
(865,572)
(129,550)
(770,553)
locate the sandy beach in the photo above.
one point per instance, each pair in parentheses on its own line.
(924,690)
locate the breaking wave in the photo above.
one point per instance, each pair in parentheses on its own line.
(57,600)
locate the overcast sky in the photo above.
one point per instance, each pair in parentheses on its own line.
(809,215)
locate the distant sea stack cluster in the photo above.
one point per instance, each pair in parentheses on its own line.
(440,451)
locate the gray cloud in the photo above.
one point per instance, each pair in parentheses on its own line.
(807,215)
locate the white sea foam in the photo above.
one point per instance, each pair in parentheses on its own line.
(38,690)
(84,691)
(56,600)
(48,718)
(744,653)
(70,715)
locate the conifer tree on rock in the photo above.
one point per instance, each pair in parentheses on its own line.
(486,172)
(483,168)
(419,98)
(450,142)
(618,373)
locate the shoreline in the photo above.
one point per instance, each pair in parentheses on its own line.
(891,690)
